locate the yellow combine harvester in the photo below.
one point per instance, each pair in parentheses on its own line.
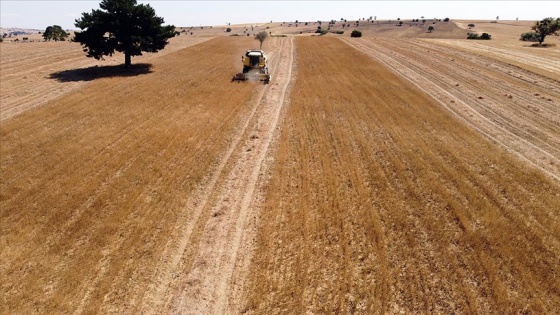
(254,67)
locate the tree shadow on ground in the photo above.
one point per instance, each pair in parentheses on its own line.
(96,72)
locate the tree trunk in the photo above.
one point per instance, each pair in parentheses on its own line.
(127,60)
(541,38)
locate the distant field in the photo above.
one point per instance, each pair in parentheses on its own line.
(400,172)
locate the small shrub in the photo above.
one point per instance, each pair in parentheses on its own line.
(356,34)
(228,29)
(446,20)
(529,37)
(339,32)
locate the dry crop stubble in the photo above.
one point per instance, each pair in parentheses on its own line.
(26,70)
(545,62)
(93,182)
(512,106)
(382,202)
(210,256)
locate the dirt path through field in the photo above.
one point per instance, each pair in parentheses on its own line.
(512,106)
(211,272)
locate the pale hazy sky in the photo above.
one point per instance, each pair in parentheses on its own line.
(40,14)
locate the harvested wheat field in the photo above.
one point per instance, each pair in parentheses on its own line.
(380,175)
(32,72)
(381,201)
(107,185)
(478,90)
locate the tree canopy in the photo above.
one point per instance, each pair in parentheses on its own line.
(123,26)
(261,37)
(546,27)
(356,34)
(55,33)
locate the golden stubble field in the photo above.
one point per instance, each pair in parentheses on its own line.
(381,201)
(374,175)
(94,182)
(32,72)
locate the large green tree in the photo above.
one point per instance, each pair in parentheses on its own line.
(123,26)
(546,27)
(55,33)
